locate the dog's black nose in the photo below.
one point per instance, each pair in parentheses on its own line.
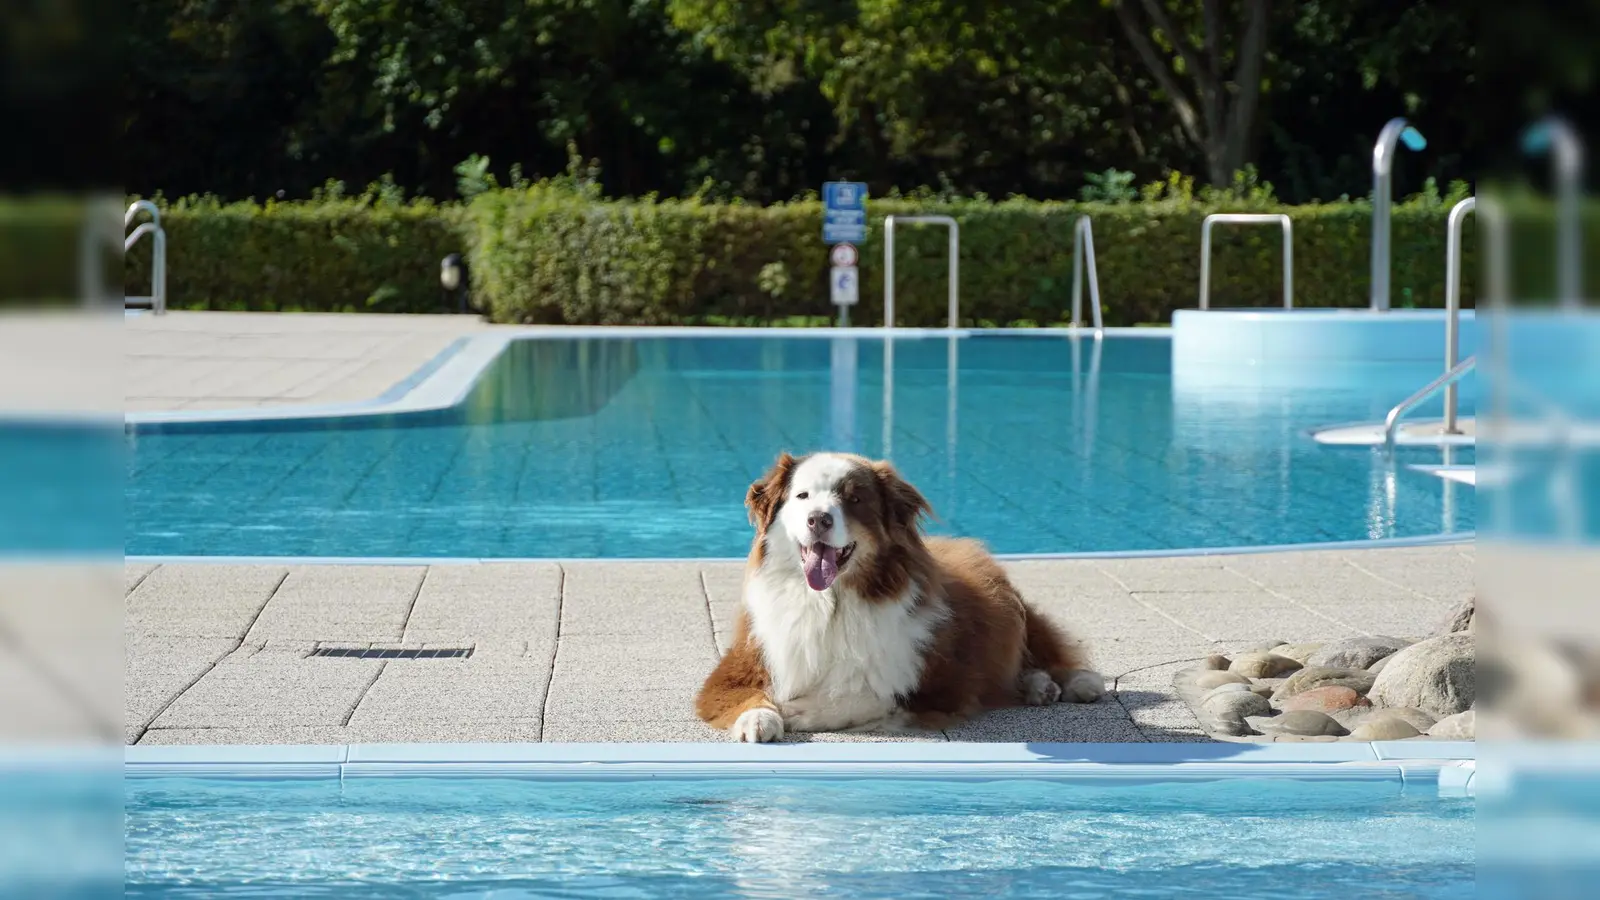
(820,521)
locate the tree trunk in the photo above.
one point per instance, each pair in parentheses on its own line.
(1219,118)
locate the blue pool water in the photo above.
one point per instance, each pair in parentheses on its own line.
(645,447)
(790,839)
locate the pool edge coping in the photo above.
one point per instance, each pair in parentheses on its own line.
(1448,766)
(1401,543)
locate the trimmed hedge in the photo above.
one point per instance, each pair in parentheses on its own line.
(550,254)
(332,256)
(540,257)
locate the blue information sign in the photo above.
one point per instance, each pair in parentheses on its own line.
(844,212)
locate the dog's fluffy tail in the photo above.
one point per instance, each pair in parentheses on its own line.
(1049,648)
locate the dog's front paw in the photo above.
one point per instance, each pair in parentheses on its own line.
(1082,686)
(1038,689)
(758,726)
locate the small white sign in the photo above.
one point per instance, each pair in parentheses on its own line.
(845,286)
(843,255)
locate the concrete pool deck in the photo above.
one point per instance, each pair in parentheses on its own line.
(583,651)
(242,360)
(220,652)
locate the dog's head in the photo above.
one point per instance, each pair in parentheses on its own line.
(828,511)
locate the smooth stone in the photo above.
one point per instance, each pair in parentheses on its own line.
(1264,647)
(1262,665)
(1437,676)
(1308,722)
(1307,679)
(1229,710)
(1262,724)
(1205,681)
(1325,699)
(1229,688)
(1377,667)
(1384,728)
(1217,662)
(1459,727)
(1299,652)
(1459,619)
(1354,716)
(1416,718)
(1356,652)
(1262,689)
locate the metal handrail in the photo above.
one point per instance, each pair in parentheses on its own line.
(1247,219)
(157,301)
(1392,422)
(1452,303)
(1083,247)
(1394,131)
(888,263)
(134,209)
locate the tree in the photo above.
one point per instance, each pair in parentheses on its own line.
(1219,56)
(998,98)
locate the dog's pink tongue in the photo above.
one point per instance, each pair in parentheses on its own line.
(822,565)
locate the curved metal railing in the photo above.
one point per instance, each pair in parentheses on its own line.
(1391,423)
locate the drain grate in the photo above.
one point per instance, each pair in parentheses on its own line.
(392,653)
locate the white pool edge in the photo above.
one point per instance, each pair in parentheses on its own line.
(1432,540)
(1444,765)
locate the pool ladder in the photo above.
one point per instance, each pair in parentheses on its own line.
(1083,263)
(1454,371)
(157,301)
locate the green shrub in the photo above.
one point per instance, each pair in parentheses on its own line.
(556,253)
(341,254)
(545,256)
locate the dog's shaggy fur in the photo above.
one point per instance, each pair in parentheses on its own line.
(853,620)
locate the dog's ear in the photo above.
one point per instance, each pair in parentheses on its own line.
(766,495)
(903,505)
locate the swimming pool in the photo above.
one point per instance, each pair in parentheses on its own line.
(795,838)
(638,446)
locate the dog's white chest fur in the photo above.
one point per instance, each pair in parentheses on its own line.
(836,661)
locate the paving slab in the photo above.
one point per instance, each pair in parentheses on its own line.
(652,601)
(1235,616)
(159,669)
(332,603)
(423,690)
(246,690)
(505,600)
(213,602)
(616,651)
(237,360)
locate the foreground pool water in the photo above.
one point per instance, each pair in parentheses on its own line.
(624,447)
(787,839)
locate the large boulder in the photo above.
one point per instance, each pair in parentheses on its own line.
(1436,676)
(1356,652)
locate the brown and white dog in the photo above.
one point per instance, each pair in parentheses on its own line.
(853,620)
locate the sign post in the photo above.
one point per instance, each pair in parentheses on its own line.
(844,224)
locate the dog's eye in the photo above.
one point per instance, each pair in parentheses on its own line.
(850,499)
(802,495)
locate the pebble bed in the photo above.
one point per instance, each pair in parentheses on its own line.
(1368,688)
